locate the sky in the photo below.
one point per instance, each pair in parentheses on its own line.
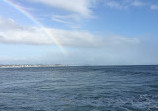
(79,32)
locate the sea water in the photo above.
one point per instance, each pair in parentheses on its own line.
(79,88)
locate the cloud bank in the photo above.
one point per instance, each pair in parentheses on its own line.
(12,33)
(90,49)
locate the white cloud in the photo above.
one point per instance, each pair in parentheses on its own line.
(72,20)
(89,48)
(154,7)
(10,32)
(123,4)
(8,24)
(137,3)
(115,4)
(82,7)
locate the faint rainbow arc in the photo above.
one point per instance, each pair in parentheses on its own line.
(33,19)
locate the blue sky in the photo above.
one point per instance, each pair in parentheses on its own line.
(79,32)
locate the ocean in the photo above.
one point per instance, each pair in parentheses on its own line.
(79,88)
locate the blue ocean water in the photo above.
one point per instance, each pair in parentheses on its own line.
(79,88)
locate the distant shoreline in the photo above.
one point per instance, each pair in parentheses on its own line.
(60,65)
(20,66)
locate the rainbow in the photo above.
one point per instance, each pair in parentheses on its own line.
(34,20)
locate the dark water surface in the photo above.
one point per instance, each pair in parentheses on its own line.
(95,88)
